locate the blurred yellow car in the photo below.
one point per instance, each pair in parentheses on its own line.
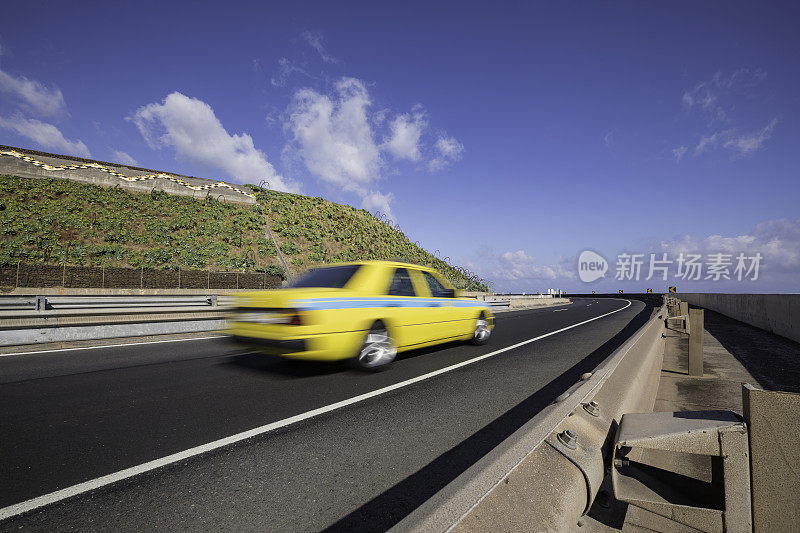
(365,311)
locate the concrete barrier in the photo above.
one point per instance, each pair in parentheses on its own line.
(28,336)
(178,185)
(529,301)
(546,475)
(776,313)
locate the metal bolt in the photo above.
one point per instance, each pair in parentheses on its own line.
(568,438)
(593,408)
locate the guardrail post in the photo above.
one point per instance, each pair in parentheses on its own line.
(773,420)
(673,307)
(213,300)
(695,342)
(684,310)
(41,303)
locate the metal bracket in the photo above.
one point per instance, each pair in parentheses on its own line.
(587,458)
(721,434)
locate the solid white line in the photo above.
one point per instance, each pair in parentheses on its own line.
(92,484)
(113,345)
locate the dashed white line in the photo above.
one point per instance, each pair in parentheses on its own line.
(92,484)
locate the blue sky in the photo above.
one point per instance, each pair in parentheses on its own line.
(508,136)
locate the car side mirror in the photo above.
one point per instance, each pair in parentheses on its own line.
(448,293)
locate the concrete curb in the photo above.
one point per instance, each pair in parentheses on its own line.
(29,336)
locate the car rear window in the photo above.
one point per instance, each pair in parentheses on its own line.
(401,284)
(437,289)
(334,277)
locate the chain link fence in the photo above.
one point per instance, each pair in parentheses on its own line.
(74,277)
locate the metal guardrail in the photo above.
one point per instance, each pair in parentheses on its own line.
(41,303)
(53,319)
(31,305)
(549,472)
(57,303)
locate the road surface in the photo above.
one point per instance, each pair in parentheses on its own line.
(331,448)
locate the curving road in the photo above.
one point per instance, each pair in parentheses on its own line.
(327,448)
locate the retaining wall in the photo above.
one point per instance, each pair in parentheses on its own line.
(776,313)
(25,169)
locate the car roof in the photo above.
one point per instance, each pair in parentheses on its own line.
(380,262)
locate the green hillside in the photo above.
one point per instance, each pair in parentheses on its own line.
(61,221)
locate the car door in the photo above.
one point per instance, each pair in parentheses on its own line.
(447,319)
(402,309)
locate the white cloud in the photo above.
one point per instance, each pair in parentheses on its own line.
(377,201)
(747,144)
(286,69)
(449,150)
(778,241)
(314,40)
(379,117)
(709,95)
(720,100)
(44,134)
(608,139)
(190,127)
(516,270)
(710,141)
(406,132)
(124,158)
(33,96)
(731,139)
(679,152)
(333,136)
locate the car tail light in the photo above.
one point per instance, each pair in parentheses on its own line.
(295,320)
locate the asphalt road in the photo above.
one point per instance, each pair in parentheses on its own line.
(70,417)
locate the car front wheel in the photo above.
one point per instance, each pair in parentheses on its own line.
(378,349)
(482,332)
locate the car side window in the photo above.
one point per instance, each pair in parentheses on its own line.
(437,289)
(401,284)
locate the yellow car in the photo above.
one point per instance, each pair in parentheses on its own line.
(365,311)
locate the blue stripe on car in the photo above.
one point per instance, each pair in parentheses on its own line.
(366,302)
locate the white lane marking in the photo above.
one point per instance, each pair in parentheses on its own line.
(559,310)
(92,484)
(113,345)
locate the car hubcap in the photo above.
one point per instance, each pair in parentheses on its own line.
(378,349)
(481,330)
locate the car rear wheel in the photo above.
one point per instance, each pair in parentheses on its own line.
(482,332)
(378,349)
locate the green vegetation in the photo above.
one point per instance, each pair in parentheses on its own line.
(313,230)
(57,221)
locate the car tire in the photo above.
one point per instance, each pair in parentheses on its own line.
(481,333)
(378,349)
